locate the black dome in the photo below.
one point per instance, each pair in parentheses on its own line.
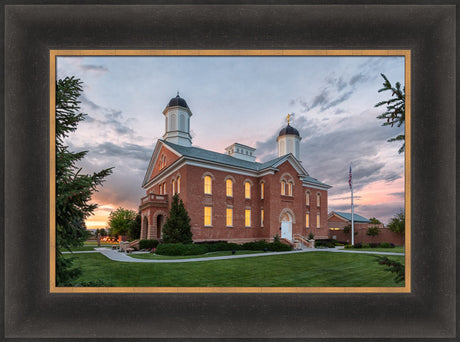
(289,130)
(177,101)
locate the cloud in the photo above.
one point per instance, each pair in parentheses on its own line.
(92,67)
(123,151)
(87,102)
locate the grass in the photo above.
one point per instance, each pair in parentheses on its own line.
(90,245)
(321,269)
(207,255)
(396,249)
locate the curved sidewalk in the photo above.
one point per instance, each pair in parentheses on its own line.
(120,256)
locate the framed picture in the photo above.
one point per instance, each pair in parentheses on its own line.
(41,37)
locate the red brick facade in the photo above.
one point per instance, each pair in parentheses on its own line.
(385,234)
(276,207)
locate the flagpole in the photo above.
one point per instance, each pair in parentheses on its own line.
(350,182)
(352,219)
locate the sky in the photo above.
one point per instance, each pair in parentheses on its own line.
(246,100)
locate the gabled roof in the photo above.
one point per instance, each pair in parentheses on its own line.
(196,153)
(313,181)
(347,216)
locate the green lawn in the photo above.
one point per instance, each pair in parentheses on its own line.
(152,256)
(90,245)
(321,269)
(396,249)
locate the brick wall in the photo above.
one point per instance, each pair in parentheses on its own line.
(385,235)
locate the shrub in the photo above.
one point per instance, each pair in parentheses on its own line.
(373,231)
(358,245)
(276,238)
(174,249)
(365,245)
(311,236)
(385,245)
(330,243)
(348,246)
(374,245)
(214,246)
(262,245)
(143,244)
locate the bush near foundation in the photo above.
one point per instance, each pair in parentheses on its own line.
(150,243)
(215,246)
(262,245)
(174,249)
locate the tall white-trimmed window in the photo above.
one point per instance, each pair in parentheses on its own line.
(247,190)
(207,216)
(173,187)
(318,199)
(262,217)
(307,220)
(178,185)
(208,185)
(229,187)
(247,218)
(164,188)
(307,198)
(262,190)
(289,189)
(283,187)
(318,220)
(229,218)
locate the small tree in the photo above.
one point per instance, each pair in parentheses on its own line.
(373,231)
(177,227)
(120,220)
(347,229)
(311,236)
(398,223)
(374,220)
(134,230)
(395,113)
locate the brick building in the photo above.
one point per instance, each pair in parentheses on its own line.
(338,220)
(229,196)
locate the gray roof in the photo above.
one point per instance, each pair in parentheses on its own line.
(196,152)
(309,179)
(356,217)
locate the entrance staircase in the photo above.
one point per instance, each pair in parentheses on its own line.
(303,241)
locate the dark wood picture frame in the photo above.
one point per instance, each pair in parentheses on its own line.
(31,30)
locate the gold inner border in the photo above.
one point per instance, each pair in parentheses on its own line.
(52,164)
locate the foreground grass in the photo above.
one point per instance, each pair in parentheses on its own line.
(301,269)
(151,256)
(396,249)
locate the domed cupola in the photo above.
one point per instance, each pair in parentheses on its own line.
(289,140)
(177,122)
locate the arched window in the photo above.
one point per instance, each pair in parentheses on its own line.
(318,220)
(289,189)
(247,190)
(307,198)
(173,187)
(178,185)
(307,220)
(283,187)
(262,190)
(164,188)
(318,199)
(208,185)
(229,187)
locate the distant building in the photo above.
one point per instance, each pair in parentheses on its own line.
(229,196)
(338,220)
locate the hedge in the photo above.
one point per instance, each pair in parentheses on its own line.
(143,244)
(173,249)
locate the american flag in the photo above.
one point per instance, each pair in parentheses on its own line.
(350,178)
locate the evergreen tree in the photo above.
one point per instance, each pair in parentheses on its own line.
(134,230)
(73,190)
(374,220)
(395,113)
(177,227)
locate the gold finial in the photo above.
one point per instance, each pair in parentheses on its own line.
(288,117)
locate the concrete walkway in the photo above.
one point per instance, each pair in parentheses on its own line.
(120,256)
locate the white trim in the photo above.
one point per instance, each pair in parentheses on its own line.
(316,186)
